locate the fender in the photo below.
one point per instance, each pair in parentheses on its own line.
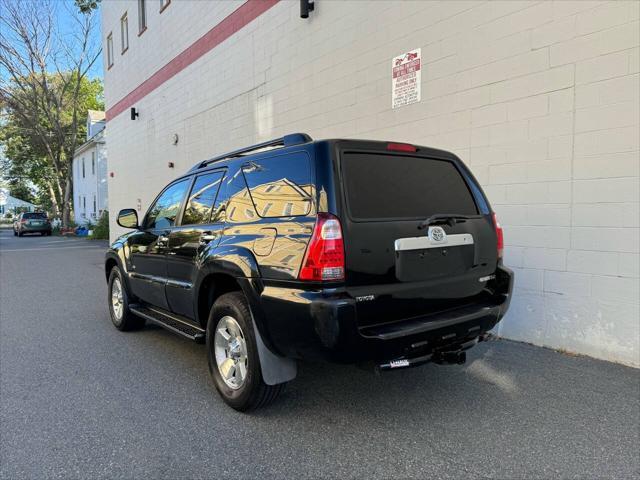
(240,263)
(116,253)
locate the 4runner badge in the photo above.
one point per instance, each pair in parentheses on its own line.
(436,234)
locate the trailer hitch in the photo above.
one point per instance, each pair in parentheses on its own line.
(454,357)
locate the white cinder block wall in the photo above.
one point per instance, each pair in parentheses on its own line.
(540,99)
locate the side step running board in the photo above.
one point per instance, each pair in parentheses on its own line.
(170,322)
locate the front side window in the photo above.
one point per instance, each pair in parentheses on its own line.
(124,32)
(164,211)
(142,16)
(280,185)
(201,199)
(110,50)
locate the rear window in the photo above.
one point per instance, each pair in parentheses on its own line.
(380,186)
(34,215)
(280,186)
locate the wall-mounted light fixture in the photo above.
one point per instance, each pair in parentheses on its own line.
(170,165)
(134,113)
(176,138)
(306,6)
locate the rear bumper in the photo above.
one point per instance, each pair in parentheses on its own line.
(322,324)
(35,229)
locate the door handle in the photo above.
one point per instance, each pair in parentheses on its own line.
(206,237)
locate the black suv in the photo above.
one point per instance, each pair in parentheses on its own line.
(344,250)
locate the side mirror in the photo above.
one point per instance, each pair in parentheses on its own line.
(128,218)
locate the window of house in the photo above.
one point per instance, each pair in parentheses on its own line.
(93,163)
(82,167)
(142,16)
(94,205)
(124,32)
(201,199)
(110,50)
(164,4)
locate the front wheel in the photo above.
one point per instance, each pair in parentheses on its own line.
(122,318)
(233,358)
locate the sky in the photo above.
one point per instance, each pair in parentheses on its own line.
(66,24)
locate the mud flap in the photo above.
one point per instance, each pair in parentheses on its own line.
(275,369)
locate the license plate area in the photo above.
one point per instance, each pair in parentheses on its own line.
(422,258)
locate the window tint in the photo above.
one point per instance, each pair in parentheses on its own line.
(396,187)
(279,186)
(164,211)
(201,199)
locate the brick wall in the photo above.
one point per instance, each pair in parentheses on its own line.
(540,99)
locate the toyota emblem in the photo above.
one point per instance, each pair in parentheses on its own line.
(437,234)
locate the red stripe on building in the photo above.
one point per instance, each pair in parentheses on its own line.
(238,19)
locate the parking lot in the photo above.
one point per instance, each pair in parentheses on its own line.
(81,399)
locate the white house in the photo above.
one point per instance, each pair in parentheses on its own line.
(540,99)
(13,205)
(90,191)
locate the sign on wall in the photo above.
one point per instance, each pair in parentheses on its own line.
(405,84)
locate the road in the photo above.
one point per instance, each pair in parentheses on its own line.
(80,399)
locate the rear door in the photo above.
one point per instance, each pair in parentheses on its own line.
(398,267)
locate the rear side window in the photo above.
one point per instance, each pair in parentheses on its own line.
(380,187)
(280,186)
(201,199)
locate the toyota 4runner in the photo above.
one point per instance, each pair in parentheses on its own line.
(343,250)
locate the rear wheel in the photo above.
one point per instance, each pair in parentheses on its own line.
(19,234)
(118,298)
(232,352)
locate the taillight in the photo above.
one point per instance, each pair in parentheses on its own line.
(24,220)
(324,260)
(499,236)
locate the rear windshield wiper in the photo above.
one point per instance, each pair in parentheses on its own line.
(450,219)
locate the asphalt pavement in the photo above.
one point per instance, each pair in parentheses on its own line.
(79,399)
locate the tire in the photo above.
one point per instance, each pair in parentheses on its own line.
(123,319)
(19,234)
(251,392)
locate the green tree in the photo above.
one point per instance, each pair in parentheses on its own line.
(45,93)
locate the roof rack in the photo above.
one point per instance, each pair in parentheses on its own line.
(286,141)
